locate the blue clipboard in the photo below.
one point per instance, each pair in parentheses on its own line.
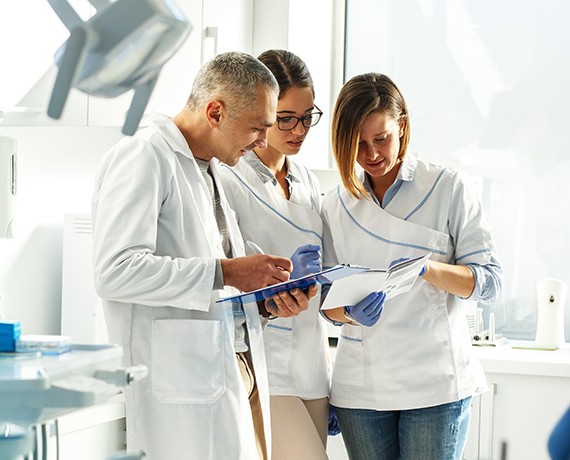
(326,276)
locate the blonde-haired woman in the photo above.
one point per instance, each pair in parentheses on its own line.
(402,386)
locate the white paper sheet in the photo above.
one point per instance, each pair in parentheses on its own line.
(394,281)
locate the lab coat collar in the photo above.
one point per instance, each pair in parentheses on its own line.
(405,174)
(408,168)
(172,135)
(264,173)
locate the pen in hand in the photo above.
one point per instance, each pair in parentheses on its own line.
(257,250)
(254,247)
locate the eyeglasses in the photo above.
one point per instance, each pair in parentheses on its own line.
(289,123)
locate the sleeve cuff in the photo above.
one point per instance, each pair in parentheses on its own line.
(218,276)
(332,321)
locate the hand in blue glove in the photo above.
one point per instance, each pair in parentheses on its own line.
(334,427)
(367,312)
(306,260)
(403,259)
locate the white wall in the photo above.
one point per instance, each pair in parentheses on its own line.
(55,176)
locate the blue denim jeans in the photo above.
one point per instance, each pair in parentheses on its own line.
(430,433)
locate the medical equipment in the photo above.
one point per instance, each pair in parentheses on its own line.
(551,298)
(122,47)
(36,388)
(8,163)
(45,344)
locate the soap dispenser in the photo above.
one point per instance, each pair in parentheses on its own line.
(551,298)
(8,163)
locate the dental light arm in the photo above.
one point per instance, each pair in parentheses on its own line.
(122,47)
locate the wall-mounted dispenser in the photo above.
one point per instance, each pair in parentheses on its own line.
(551,296)
(8,183)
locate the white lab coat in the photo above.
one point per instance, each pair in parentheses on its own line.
(155,241)
(296,348)
(419,353)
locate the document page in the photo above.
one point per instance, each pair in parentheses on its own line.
(394,281)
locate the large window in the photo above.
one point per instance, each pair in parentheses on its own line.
(488,86)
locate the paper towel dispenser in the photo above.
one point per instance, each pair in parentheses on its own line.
(8,185)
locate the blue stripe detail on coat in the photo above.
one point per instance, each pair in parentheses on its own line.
(378,237)
(480,251)
(350,339)
(306,230)
(425,198)
(275,326)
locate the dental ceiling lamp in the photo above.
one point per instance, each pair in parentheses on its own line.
(122,47)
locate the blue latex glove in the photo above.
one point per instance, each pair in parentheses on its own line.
(403,259)
(367,312)
(559,441)
(334,427)
(306,260)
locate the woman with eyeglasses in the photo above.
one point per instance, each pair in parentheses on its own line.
(402,385)
(277,203)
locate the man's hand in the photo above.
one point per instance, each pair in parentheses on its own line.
(255,272)
(285,304)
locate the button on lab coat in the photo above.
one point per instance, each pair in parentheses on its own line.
(155,241)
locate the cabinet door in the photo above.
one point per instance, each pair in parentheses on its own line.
(228,26)
(525,410)
(30,34)
(174,83)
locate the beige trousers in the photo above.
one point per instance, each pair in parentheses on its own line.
(298,428)
(248,377)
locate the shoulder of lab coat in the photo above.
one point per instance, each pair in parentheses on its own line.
(135,178)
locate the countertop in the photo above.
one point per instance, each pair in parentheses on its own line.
(509,359)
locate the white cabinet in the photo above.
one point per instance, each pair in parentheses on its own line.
(530,390)
(232,24)
(93,433)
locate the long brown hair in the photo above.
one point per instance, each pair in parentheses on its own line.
(358,98)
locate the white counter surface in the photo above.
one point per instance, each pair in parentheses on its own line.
(512,360)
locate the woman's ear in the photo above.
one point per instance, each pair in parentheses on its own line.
(402,126)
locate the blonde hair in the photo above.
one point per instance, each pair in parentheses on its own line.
(358,98)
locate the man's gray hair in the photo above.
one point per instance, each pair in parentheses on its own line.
(234,78)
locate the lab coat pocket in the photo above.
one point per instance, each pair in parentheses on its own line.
(278,340)
(349,360)
(187,361)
